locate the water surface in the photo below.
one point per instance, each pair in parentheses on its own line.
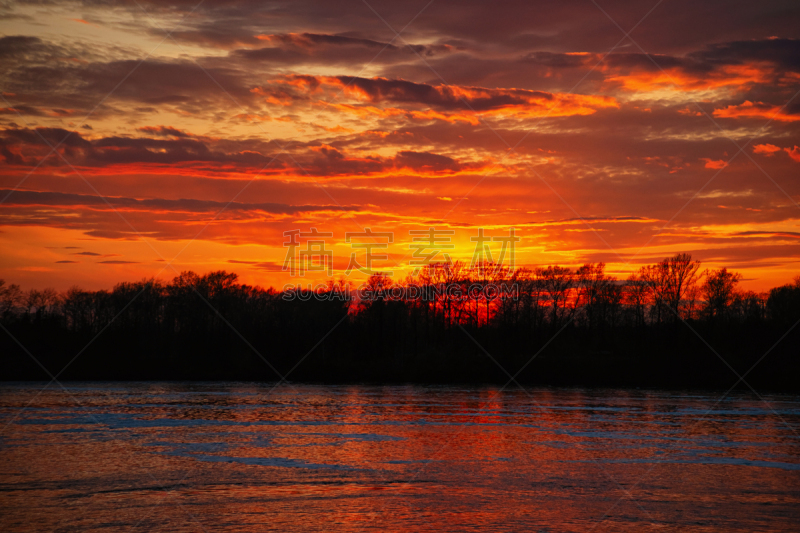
(243,457)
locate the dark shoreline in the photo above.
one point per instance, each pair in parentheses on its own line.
(672,357)
(477,386)
(556,327)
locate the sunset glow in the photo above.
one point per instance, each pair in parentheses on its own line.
(141,140)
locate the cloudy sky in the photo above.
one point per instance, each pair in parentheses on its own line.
(144,138)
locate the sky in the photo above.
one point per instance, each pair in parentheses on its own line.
(141,138)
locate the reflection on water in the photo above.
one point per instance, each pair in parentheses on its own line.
(235,457)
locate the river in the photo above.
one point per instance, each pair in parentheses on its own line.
(295,457)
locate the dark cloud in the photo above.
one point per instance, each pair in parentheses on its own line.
(441,96)
(269,266)
(45,137)
(788,234)
(559,60)
(58,80)
(21,46)
(183,205)
(23,110)
(125,150)
(314,48)
(181,147)
(423,161)
(164,131)
(570,25)
(785,53)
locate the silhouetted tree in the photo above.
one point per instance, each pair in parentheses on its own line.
(783,303)
(635,296)
(670,281)
(719,292)
(212,325)
(557,282)
(11,296)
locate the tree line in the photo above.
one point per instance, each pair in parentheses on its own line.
(212,326)
(673,289)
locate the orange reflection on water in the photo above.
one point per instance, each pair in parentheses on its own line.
(233,457)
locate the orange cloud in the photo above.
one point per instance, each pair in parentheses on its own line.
(561,106)
(766,149)
(452,118)
(714,164)
(728,76)
(442,102)
(337,129)
(794,153)
(758,109)
(388,112)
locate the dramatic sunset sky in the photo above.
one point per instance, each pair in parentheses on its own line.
(143,138)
